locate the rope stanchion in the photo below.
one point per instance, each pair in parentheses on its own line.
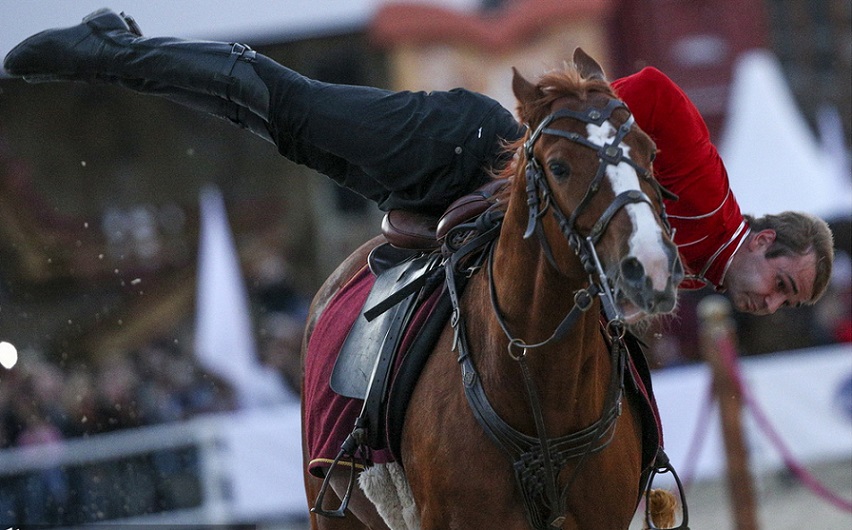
(728,357)
(717,329)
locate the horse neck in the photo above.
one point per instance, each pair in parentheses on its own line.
(570,374)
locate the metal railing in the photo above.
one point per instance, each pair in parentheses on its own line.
(176,473)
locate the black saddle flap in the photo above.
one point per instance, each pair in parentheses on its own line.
(353,370)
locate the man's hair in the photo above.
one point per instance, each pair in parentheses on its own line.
(800,234)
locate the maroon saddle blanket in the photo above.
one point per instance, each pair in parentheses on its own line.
(330,417)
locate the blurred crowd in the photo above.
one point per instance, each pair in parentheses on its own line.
(160,382)
(41,403)
(44,400)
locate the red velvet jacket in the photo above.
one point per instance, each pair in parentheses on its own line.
(707,219)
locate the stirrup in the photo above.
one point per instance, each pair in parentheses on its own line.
(347,450)
(663,465)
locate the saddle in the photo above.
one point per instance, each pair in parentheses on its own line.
(408,269)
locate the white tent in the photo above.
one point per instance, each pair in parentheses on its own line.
(774,161)
(224,337)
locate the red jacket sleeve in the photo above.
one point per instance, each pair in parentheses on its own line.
(707,216)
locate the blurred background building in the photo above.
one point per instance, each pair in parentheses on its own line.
(100,217)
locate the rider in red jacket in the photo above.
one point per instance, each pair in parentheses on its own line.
(419,151)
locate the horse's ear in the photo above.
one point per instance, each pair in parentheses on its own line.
(525,92)
(588,67)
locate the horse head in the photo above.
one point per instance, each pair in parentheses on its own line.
(586,161)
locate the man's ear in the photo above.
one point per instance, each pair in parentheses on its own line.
(762,240)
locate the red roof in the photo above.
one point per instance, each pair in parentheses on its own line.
(521,20)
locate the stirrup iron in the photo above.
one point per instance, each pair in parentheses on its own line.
(663,465)
(347,449)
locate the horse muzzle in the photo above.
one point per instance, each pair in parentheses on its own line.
(635,286)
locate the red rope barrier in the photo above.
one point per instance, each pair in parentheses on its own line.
(696,445)
(730,358)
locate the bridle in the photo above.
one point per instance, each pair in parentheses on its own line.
(538,460)
(609,154)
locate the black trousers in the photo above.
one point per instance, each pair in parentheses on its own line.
(409,150)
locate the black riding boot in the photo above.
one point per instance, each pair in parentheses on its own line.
(410,150)
(214,77)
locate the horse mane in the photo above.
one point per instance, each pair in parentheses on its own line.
(552,85)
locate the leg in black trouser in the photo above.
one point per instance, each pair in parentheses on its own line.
(415,151)
(418,150)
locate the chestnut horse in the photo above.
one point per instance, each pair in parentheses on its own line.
(533,430)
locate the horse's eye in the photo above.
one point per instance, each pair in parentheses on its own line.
(653,155)
(558,169)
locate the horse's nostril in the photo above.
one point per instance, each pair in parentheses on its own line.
(632,270)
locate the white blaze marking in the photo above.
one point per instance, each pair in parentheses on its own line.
(646,241)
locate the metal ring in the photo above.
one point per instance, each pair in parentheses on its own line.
(616,329)
(583,300)
(519,343)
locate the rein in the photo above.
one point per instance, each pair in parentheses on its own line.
(538,460)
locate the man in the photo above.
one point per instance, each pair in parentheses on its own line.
(419,151)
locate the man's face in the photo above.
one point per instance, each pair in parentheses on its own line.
(760,285)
